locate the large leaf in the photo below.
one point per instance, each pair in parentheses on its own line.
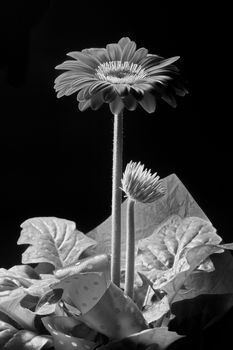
(101,304)
(14,339)
(162,256)
(52,240)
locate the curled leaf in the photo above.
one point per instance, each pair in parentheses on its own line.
(101,305)
(48,303)
(52,240)
(69,333)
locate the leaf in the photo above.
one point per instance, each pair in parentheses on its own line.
(25,271)
(220,281)
(14,339)
(69,333)
(11,279)
(29,302)
(10,305)
(207,266)
(6,285)
(157,338)
(227,246)
(157,310)
(18,276)
(141,291)
(96,263)
(49,297)
(162,256)
(52,240)
(101,304)
(44,268)
(47,304)
(43,286)
(194,257)
(84,290)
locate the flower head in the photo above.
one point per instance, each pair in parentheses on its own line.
(140,185)
(121,76)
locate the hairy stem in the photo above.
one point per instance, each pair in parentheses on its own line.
(116,198)
(130,249)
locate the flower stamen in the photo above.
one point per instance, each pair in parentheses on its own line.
(119,72)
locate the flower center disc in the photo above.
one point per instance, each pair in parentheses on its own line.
(118,72)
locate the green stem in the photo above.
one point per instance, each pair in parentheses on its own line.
(116,197)
(130,249)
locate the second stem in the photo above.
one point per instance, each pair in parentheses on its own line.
(130,250)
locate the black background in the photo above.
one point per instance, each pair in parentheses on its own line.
(56,161)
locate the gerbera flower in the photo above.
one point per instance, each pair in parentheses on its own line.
(121,76)
(140,185)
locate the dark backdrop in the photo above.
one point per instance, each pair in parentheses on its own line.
(56,161)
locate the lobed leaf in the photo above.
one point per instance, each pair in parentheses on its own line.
(52,240)
(163,255)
